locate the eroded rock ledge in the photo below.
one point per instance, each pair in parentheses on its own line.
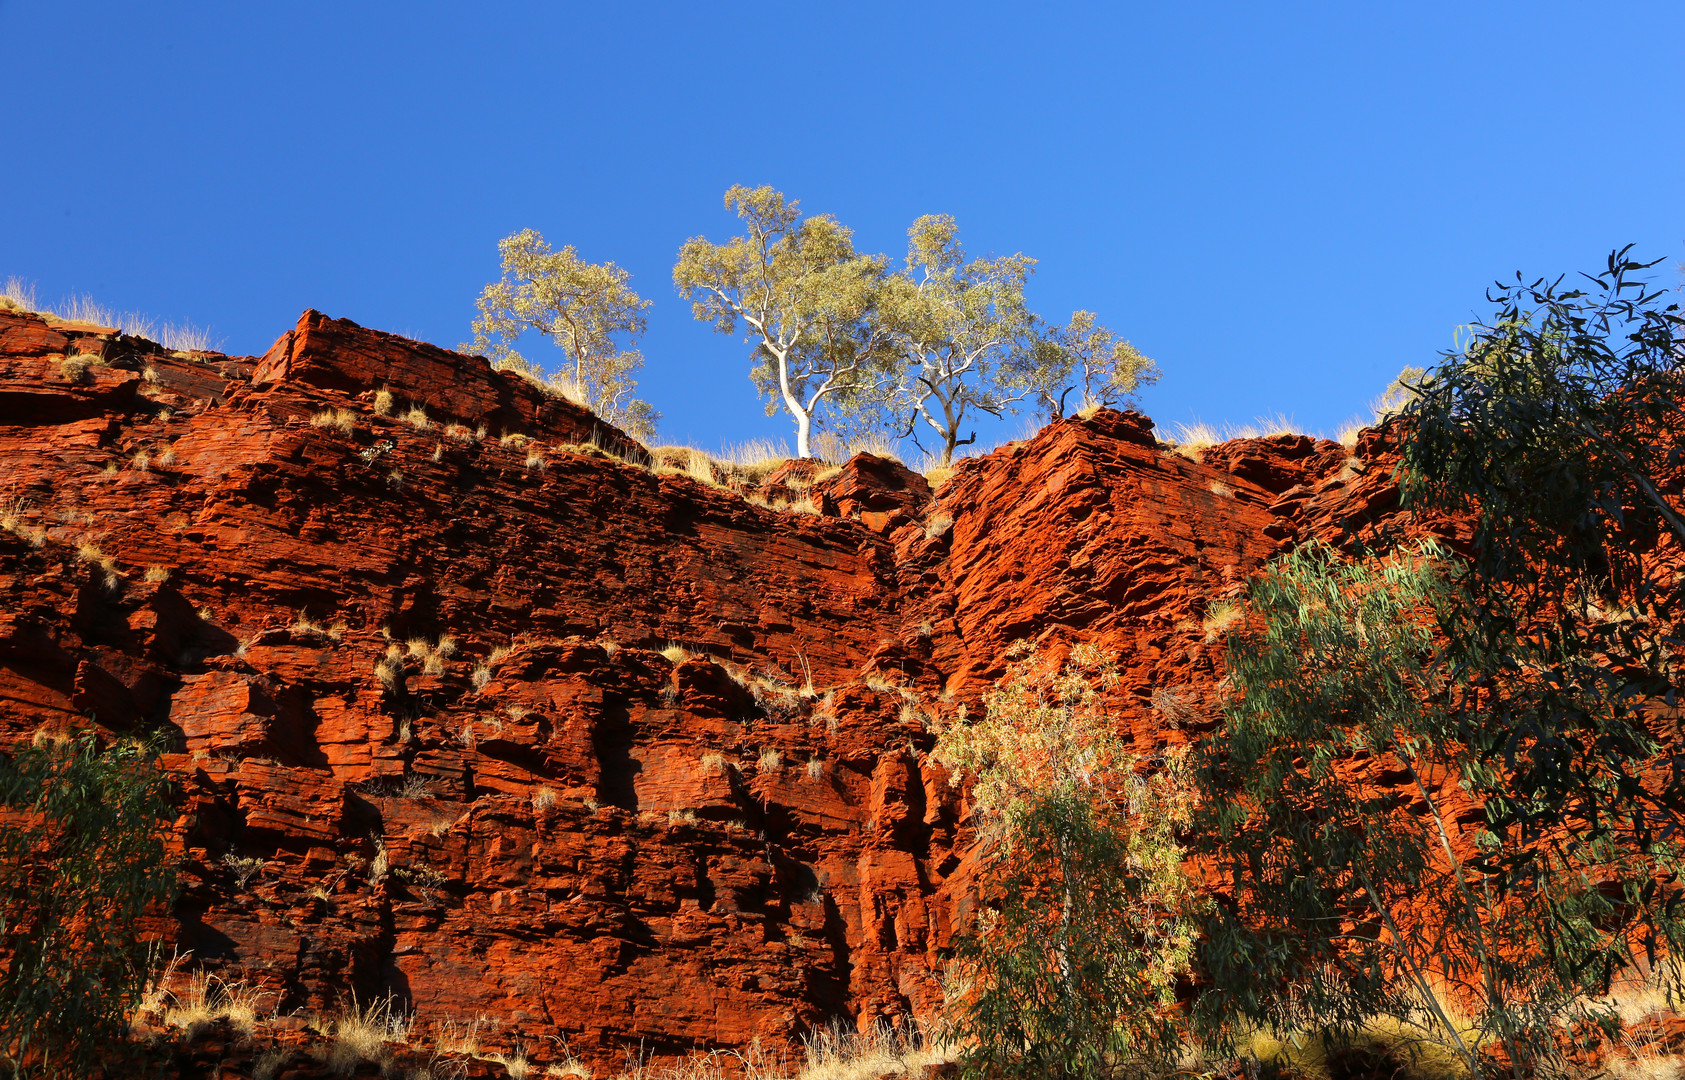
(669,788)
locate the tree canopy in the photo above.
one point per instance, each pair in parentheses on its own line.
(1089,917)
(586,309)
(1081,355)
(1520,688)
(957,325)
(803,297)
(82,859)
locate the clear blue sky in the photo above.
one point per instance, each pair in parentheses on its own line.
(1283,204)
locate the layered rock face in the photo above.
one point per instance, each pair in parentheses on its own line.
(470,706)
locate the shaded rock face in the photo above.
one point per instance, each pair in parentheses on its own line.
(525,732)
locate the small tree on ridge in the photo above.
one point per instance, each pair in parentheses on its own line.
(585,309)
(1082,356)
(804,298)
(959,324)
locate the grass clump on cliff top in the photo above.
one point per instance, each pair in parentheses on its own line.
(19,295)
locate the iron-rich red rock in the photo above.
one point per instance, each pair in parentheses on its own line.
(524,731)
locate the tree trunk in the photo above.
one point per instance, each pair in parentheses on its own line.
(804,427)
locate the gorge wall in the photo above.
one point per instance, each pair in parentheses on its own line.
(566,824)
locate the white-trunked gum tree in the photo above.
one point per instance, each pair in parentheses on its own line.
(804,298)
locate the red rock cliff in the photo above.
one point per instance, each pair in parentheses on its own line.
(555,824)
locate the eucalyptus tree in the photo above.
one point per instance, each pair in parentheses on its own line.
(802,295)
(1520,689)
(1554,432)
(1081,355)
(959,325)
(1337,803)
(585,309)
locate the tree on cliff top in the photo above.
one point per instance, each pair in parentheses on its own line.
(804,298)
(957,324)
(1081,355)
(586,309)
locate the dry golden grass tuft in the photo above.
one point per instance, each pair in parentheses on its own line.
(384,403)
(14,518)
(458,1037)
(18,295)
(877,681)
(340,420)
(75,368)
(1221,489)
(691,462)
(755,460)
(834,1053)
(89,552)
(206,1000)
(416,418)
(834,448)
(536,461)
(389,670)
(1189,439)
(1220,618)
(362,1033)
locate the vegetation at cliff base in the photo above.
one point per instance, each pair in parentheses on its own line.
(1074,968)
(82,860)
(1444,798)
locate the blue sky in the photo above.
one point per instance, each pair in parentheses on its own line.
(1283,204)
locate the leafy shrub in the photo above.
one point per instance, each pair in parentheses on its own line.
(82,858)
(1074,974)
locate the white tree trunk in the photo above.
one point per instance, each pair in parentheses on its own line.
(804,426)
(803,414)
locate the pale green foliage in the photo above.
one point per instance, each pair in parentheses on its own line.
(958,326)
(1075,973)
(803,297)
(1082,356)
(1399,394)
(586,309)
(1043,733)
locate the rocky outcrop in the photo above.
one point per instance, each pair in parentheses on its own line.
(471,707)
